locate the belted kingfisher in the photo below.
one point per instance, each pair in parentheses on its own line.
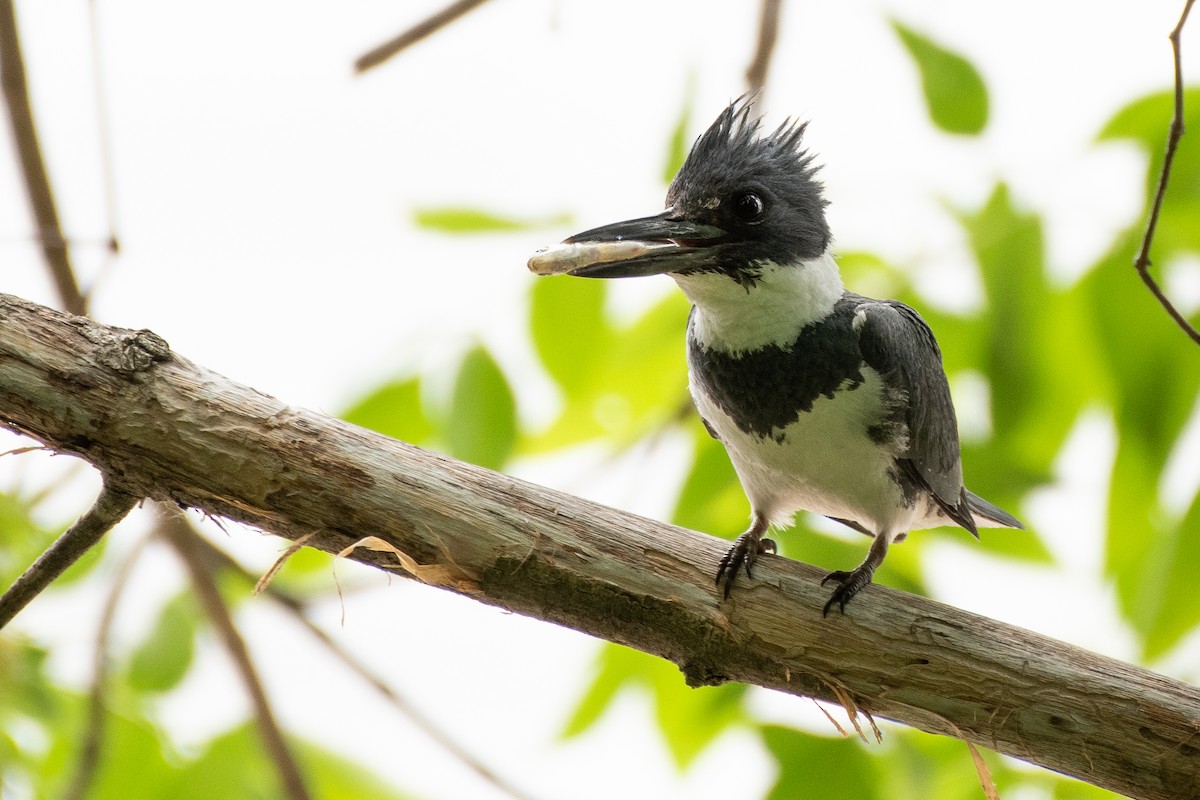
(825,400)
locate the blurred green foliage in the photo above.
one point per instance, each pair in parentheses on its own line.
(465,220)
(1049,353)
(159,663)
(955,93)
(393,409)
(694,716)
(481,424)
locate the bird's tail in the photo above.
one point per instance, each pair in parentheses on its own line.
(989,516)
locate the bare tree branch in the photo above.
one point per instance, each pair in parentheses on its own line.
(182,538)
(110,508)
(416,33)
(33,166)
(768,32)
(1174,134)
(178,432)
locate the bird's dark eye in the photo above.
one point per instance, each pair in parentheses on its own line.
(747,206)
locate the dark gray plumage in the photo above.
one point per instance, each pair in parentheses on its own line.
(896,343)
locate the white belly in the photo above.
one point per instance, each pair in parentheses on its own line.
(823,462)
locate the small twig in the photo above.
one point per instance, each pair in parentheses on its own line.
(1174,134)
(93,737)
(103,129)
(35,448)
(175,529)
(33,165)
(110,508)
(768,32)
(414,34)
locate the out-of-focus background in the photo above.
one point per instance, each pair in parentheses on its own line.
(356,243)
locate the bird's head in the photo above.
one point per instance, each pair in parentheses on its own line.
(742,200)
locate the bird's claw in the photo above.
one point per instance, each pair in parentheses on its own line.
(745,551)
(848,585)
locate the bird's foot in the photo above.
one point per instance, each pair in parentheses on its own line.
(848,585)
(851,583)
(745,551)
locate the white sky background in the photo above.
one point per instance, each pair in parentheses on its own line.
(264,197)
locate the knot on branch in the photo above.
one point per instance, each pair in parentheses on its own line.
(128,352)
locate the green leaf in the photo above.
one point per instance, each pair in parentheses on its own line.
(462,220)
(711,499)
(132,761)
(637,381)
(1024,545)
(819,766)
(1144,122)
(336,778)
(162,659)
(1032,408)
(393,409)
(690,719)
(922,765)
(570,333)
(871,276)
(612,674)
(23,540)
(234,765)
(1179,558)
(24,686)
(955,93)
(1151,384)
(482,424)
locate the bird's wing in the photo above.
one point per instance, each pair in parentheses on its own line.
(896,342)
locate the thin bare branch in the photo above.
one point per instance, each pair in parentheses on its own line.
(416,33)
(768,32)
(110,508)
(1174,134)
(103,131)
(33,166)
(93,736)
(104,142)
(176,530)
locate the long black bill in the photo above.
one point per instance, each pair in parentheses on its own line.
(633,248)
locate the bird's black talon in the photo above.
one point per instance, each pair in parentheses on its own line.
(728,568)
(838,575)
(735,557)
(849,584)
(767,546)
(744,551)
